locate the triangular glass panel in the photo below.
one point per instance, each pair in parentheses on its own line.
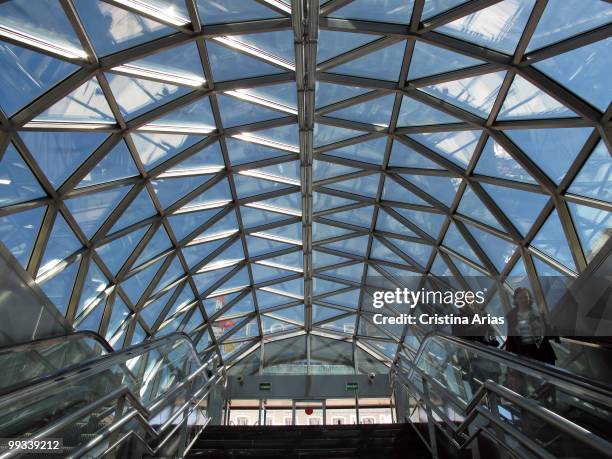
(348,299)
(252,217)
(139,209)
(321,313)
(457,146)
(471,206)
(393,11)
(44,21)
(227,64)
(404,156)
(525,101)
(134,286)
(552,241)
(430,60)
(553,150)
(26,75)
(294,261)
(277,43)
(17,183)
(115,253)
(323,202)
(325,134)
(475,94)
(562,20)
(344,325)
(229,256)
(323,170)
(95,283)
(370,151)
(150,313)
(241,152)
(380,251)
(235,112)
(584,80)
(169,190)
(90,210)
(495,161)
(196,116)
(115,165)
(153,149)
(288,203)
(429,222)
(444,189)
(330,93)
(59,153)
(266,300)
(224,227)
(475,279)
(260,246)
(321,231)
(286,136)
(440,269)
(223,11)
(393,191)
(322,259)
(269,325)
(262,273)
(112,29)
(385,222)
(498,27)
(364,186)
(139,335)
(201,162)
(59,287)
(434,7)
(195,253)
(181,64)
(554,283)
(90,319)
(415,113)
(86,104)
(250,186)
(186,222)
(213,305)
(217,195)
(332,43)
(521,207)
(237,281)
(322,286)
(418,252)
(206,280)
(156,245)
(281,94)
(136,96)
(593,227)
(119,315)
(18,232)
(288,233)
(292,314)
(62,243)
(454,240)
(352,273)
(593,180)
(172,274)
(374,111)
(356,246)
(382,64)
(359,217)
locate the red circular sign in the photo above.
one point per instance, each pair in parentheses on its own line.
(308,411)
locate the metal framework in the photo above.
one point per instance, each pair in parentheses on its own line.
(359,215)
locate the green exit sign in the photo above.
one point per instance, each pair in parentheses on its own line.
(352,386)
(265,386)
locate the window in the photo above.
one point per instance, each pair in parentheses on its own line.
(314,421)
(242,421)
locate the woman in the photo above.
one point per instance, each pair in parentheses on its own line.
(528,334)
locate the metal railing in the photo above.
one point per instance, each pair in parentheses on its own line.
(489,411)
(155,401)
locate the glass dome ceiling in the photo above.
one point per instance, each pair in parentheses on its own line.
(239,170)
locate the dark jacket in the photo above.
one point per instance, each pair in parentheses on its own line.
(544,352)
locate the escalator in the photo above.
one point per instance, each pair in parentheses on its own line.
(149,399)
(475,396)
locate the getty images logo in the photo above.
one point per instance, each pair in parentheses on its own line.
(458,298)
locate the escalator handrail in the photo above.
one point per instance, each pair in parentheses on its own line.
(95,365)
(557,376)
(37,343)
